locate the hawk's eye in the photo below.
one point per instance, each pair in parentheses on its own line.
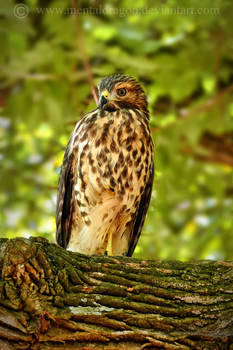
(121,92)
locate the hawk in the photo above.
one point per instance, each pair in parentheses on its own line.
(107,173)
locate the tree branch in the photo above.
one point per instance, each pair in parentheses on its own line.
(218,148)
(54,299)
(184,114)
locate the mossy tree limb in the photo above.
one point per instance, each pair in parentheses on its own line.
(54,299)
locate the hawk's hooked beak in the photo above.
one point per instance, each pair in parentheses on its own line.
(104,98)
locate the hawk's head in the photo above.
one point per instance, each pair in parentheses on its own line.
(120,91)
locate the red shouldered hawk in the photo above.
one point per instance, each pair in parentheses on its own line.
(107,173)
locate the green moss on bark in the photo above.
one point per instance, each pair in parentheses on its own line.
(50,297)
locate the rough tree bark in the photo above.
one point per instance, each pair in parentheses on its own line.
(54,299)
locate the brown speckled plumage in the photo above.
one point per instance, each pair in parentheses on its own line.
(107,173)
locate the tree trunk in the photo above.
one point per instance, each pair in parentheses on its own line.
(54,299)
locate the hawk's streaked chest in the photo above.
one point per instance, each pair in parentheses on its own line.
(114,152)
(113,161)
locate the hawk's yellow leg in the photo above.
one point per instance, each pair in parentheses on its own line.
(109,245)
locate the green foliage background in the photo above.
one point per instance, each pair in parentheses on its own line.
(181,51)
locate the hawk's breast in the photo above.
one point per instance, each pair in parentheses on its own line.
(114,156)
(114,153)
